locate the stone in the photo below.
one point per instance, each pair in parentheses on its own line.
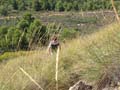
(80,85)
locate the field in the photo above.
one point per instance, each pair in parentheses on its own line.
(85,58)
(85,22)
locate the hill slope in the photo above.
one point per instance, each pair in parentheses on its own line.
(81,59)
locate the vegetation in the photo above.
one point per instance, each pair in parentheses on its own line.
(55,5)
(11,55)
(87,52)
(28,33)
(87,60)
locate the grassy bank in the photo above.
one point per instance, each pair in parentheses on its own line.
(81,59)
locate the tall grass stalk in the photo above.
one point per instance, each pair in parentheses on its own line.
(57,63)
(116,13)
(31,78)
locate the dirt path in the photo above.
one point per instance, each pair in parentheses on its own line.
(9,17)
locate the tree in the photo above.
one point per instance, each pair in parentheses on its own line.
(75,5)
(52,4)
(45,5)
(65,6)
(22,5)
(3,10)
(59,6)
(15,5)
(36,5)
(69,6)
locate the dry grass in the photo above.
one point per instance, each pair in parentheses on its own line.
(83,58)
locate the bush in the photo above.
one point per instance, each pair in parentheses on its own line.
(75,6)
(3,37)
(15,5)
(69,7)
(13,36)
(36,5)
(22,5)
(3,10)
(23,25)
(59,6)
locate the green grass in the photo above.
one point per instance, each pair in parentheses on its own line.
(80,59)
(9,55)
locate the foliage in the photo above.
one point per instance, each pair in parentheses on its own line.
(36,5)
(3,10)
(45,5)
(15,4)
(28,33)
(23,25)
(3,41)
(69,7)
(22,5)
(59,5)
(13,35)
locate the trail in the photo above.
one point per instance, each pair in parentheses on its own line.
(57,14)
(10,17)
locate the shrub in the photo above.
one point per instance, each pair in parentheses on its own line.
(59,6)
(36,5)
(13,36)
(3,10)
(15,5)
(3,32)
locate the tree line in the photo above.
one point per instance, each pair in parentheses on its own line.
(53,5)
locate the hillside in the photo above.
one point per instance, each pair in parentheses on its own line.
(80,59)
